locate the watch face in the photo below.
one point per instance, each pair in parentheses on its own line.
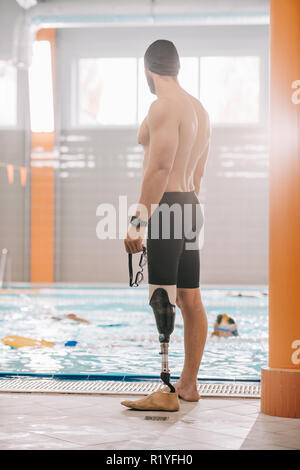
(135,221)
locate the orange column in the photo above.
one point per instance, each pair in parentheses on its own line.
(42,194)
(281,380)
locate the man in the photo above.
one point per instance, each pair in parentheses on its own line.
(175,136)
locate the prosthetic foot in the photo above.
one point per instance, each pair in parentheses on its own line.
(157,401)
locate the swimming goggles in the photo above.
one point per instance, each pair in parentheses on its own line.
(139,275)
(233,332)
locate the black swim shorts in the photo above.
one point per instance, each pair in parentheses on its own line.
(173,241)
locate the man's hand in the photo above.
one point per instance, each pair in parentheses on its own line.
(134,239)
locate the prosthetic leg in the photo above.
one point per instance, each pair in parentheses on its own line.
(164,313)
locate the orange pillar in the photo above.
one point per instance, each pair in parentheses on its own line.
(42,193)
(281,380)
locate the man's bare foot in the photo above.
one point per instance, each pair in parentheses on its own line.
(186,393)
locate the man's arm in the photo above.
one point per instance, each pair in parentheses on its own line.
(164,129)
(199,170)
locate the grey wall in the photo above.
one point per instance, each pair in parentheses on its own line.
(235,196)
(14,146)
(10,12)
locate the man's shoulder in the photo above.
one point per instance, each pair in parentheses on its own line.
(198,104)
(161,104)
(162,108)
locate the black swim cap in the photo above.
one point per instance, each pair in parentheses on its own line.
(162,58)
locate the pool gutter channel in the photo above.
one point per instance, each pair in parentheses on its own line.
(106,387)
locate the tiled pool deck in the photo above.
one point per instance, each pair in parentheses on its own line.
(63,421)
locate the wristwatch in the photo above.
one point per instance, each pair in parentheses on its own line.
(137,222)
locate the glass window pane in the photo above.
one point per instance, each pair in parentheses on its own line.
(8,95)
(145,97)
(188,76)
(229,89)
(107,91)
(40,88)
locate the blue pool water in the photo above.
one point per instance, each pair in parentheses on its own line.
(121,337)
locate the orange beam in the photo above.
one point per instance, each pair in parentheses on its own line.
(43,194)
(284,274)
(284,232)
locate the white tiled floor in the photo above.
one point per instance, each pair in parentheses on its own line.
(48,421)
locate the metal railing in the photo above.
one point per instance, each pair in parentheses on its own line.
(4,265)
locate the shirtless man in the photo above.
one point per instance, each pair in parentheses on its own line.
(175,136)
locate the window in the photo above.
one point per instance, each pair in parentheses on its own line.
(188,76)
(145,97)
(8,95)
(114,91)
(107,91)
(229,89)
(41,88)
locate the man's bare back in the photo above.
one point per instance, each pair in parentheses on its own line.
(193,140)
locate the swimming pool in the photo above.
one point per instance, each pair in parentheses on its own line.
(121,337)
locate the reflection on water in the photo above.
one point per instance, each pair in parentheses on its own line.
(121,337)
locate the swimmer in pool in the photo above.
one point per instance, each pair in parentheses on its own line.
(246,294)
(225,326)
(71,316)
(175,136)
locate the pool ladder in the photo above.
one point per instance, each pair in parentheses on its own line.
(4,263)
